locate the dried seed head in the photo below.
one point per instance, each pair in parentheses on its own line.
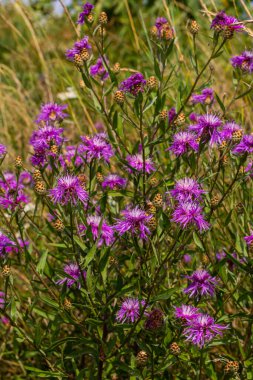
(180,120)
(100,177)
(40,188)
(214,201)
(142,358)
(103,18)
(227,33)
(193,27)
(119,97)
(90,18)
(85,55)
(175,349)
(152,83)
(82,84)
(167,33)
(237,136)
(18,162)
(152,223)
(54,149)
(223,145)
(231,367)
(150,208)
(58,225)
(158,200)
(67,304)
(78,61)
(163,115)
(6,271)
(116,68)
(37,175)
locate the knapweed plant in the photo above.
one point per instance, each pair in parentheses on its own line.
(126,252)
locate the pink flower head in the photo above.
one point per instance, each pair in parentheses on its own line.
(87,9)
(190,213)
(248,239)
(201,284)
(207,127)
(134,221)
(184,142)
(6,245)
(113,182)
(99,69)
(187,189)
(205,97)
(106,235)
(228,129)
(136,162)
(186,312)
(78,48)
(96,147)
(134,84)
(73,276)
(130,310)
(244,61)
(3,150)
(68,190)
(51,112)
(245,145)
(222,20)
(2,300)
(202,329)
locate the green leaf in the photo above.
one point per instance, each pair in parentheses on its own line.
(80,243)
(197,241)
(42,262)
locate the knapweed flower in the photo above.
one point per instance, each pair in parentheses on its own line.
(100,229)
(248,239)
(3,150)
(201,284)
(243,61)
(171,114)
(130,310)
(96,147)
(205,97)
(222,21)
(134,221)
(72,154)
(114,182)
(228,129)
(135,161)
(6,245)
(87,9)
(245,146)
(190,213)
(187,189)
(160,23)
(12,194)
(183,142)
(51,112)
(68,190)
(99,69)
(134,84)
(186,312)
(78,48)
(207,127)
(74,276)
(187,258)
(202,329)
(2,300)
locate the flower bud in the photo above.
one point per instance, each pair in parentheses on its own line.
(58,225)
(193,27)
(119,97)
(18,162)
(175,349)
(37,175)
(116,68)
(40,188)
(6,271)
(158,200)
(141,358)
(152,83)
(103,18)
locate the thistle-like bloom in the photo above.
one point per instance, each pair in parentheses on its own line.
(106,233)
(205,97)
(201,284)
(96,147)
(134,84)
(248,239)
(99,69)
(190,213)
(68,190)
(186,312)
(222,21)
(2,300)
(207,127)
(6,245)
(87,9)
(187,189)
(114,182)
(161,23)
(3,150)
(72,154)
(74,276)
(136,162)
(202,330)
(51,112)
(78,48)
(183,142)
(245,146)
(243,61)
(134,221)
(130,310)
(228,129)
(12,194)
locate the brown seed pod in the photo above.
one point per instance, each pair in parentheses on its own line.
(158,200)
(150,208)
(103,18)
(152,223)
(175,349)
(40,188)
(231,367)
(141,358)
(152,83)
(85,55)
(78,61)
(90,18)
(180,120)
(58,225)
(227,33)
(6,271)
(119,97)
(37,175)
(237,136)
(214,201)
(18,162)
(116,68)
(163,115)
(193,27)
(223,145)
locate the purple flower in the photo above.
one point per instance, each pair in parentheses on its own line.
(114,181)
(99,69)
(68,190)
(187,258)
(248,239)
(202,329)
(187,213)
(206,127)
(228,129)
(187,189)
(129,310)
(134,221)
(243,61)
(78,48)
(105,235)
(201,284)
(245,146)
(222,255)
(183,142)
(186,312)
(136,162)
(6,245)
(74,276)
(134,84)
(51,112)
(2,300)
(171,114)
(160,21)
(222,20)
(3,150)
(96,147)
(87,8)
(205,97)
(72,152)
